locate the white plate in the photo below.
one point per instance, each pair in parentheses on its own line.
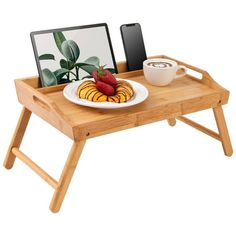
(141,93)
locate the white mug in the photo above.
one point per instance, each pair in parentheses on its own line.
(161,71)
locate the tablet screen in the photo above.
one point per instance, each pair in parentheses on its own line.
(70,54)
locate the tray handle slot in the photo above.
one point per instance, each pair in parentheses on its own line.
(192,70)
(202,76)
(42,100)
(30,96)
(48,104)
(41,103)
(194,74)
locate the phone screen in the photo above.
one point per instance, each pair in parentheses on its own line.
(133,45)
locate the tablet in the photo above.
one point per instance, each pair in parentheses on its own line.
(71,54)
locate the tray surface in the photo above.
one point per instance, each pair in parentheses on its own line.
(178,91)
(183,96)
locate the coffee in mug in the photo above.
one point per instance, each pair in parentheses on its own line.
(161,71)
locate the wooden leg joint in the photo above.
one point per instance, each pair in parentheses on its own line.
(171,121)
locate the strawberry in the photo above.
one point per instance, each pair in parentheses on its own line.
(104,88)
(95,75)
(105,76)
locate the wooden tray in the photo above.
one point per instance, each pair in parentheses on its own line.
(183,96)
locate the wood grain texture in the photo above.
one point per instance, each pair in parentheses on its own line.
(38,170)
(66,175)
(17,137)
(183,96)
(171,121)
(199,127)
(223,131)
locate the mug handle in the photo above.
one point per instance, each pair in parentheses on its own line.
(183,73)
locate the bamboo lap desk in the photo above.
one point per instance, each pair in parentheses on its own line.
(183,96)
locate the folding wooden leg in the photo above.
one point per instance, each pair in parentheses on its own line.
(222,136)
(223,131)
(17,137)
(66,175)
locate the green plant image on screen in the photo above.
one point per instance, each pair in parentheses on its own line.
(69,70)
(71,55)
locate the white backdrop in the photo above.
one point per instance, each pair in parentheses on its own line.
(151,180)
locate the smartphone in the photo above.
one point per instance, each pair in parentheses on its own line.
(135,52)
